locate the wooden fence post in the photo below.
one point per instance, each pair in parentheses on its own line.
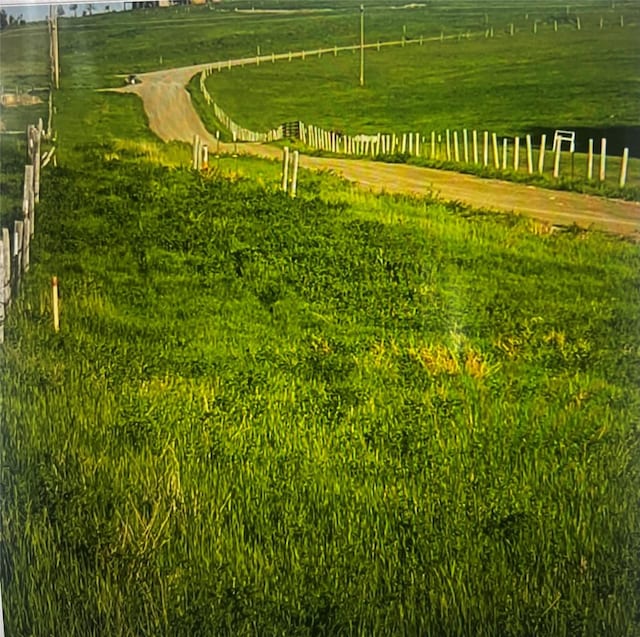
(433,145)
(556,163)
(496,152)
(465,145)
(543,143)
(26,243)
(55,306)
(623,167)
(285,168)
(590,160)
(529,155)
(294,175)
(485,149)
(448,133)
(475,147)
(404,143)
(505,146)
(18,230)
(456,146)
(6,258)
(417,145)
(516,153)
(2,301)
(603,159)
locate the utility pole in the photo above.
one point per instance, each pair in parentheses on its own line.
(361,45)
(55,64)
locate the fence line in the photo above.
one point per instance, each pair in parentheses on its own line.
(16,246)
(411,144)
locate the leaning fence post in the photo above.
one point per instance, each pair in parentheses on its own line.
(623,167)
(496,152)
(285,167)
(294,175)
(603,159)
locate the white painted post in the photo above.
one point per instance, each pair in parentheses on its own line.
(529,155)
(543,143)
(205,157)
(404,143)
(496,151)
(294,176)
(456,147)
(511,29)
(590,160)
(578,23)
(474,135)
(448,133)
(516,154)
(603,159)
(417,145)
(196,139)
(505,144)
(535,27)
(410,143)
(623,167)
(433,145)
(556,163)
(555,26)
(465,145)
(285,168)
(55,306)
(486,148)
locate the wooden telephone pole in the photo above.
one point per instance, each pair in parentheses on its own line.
(361,45)
(54,48)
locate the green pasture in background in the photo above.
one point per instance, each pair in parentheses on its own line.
(505,85)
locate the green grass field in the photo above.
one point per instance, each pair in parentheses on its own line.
(506,85)
(342,414)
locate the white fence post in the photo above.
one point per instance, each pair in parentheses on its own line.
(465,145)
(603,159)
(590,160)
(496,152)
(623,167)
(285,168)
(529,155)
(543,143)
(294,175)
(448,145)
(456,147)
(485,149)
(476,158)
(505,148)
(516,154)
(6,258)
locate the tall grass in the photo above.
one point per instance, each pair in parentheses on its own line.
(340,414)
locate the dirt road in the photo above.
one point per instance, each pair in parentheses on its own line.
(172,117)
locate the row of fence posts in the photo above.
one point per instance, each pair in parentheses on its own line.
(16,253)
(238,132)
(457,147)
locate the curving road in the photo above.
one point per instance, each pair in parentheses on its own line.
(172,117)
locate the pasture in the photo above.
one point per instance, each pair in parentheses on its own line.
(340,414)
